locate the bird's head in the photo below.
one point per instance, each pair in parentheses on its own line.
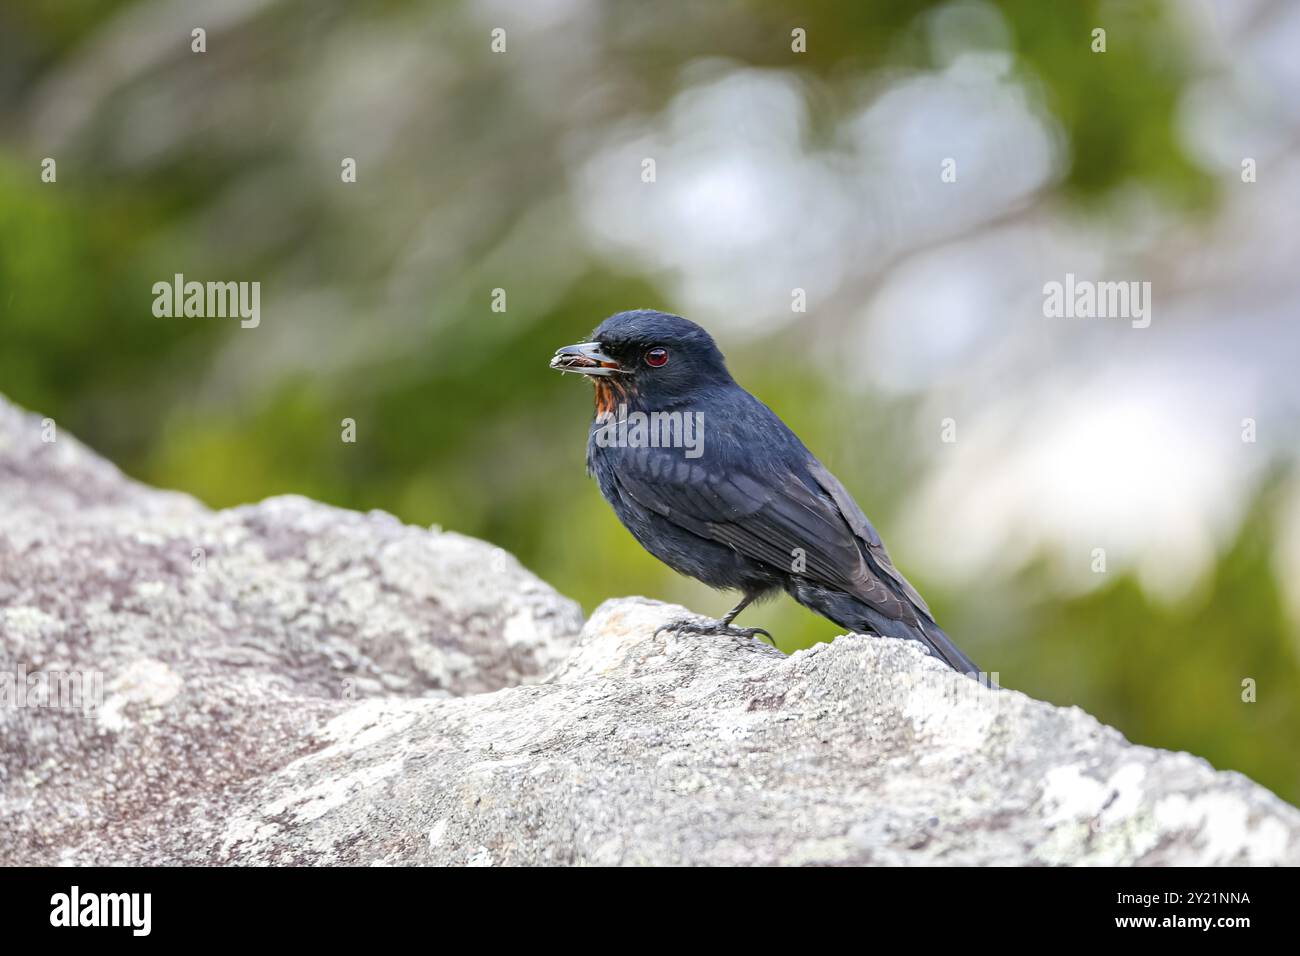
(656,357)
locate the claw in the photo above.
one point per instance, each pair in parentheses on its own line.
(717,628)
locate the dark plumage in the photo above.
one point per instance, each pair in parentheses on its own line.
(755,511)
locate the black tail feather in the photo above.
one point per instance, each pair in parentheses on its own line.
(932,637)
(855,615)
(941,646)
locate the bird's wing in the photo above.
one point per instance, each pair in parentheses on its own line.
(774,517)
(865,531)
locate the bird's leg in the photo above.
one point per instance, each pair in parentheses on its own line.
(721,627)
(731,615)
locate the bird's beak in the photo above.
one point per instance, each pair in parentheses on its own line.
(585,359)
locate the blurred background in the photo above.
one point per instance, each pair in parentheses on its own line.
(775,171)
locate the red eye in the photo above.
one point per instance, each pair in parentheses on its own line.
(656,358)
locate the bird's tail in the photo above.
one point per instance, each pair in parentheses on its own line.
(935,640)
(856,615)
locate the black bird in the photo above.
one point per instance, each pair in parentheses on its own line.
(748,508)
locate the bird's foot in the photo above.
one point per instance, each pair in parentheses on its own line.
(713,628)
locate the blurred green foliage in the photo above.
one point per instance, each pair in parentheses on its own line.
(460,423)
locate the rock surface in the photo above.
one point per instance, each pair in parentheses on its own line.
(293,683)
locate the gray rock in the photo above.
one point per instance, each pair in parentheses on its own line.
(320,686)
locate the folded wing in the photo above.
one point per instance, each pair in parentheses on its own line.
(796,515)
